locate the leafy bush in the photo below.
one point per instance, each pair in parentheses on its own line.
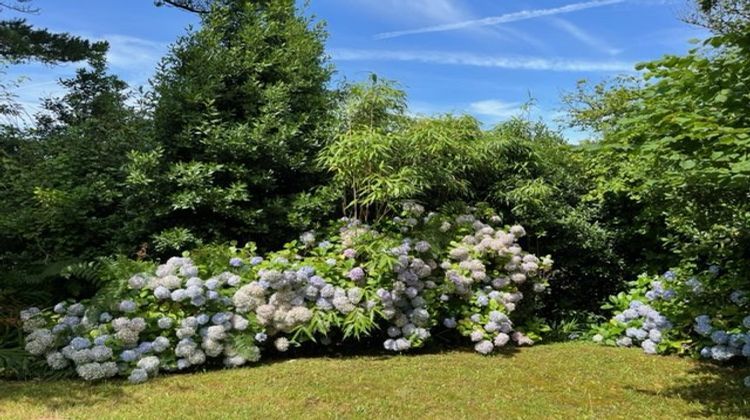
(524,170)
(702,313)
(529,173)
(671,171)
(380,156)
(413,275)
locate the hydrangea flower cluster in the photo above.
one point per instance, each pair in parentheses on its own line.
(490,272)
(644,326)
(404,304)
(724,344)
(720,333)
(226,306)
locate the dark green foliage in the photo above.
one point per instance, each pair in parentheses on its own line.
(61,193)
(62,184)
(672,171)
(240,113)
(533,177)
(21,42)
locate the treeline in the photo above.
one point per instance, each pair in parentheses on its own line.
(242,138)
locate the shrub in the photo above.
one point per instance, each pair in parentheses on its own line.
(409,277)
(701,313)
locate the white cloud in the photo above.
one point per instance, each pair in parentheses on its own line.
(585,37)
(131,53)
(416,10)
(469,59)
(523,36)
(495,108)
(494,20)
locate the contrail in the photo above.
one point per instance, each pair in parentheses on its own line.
(494,20)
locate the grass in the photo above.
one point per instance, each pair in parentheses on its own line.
(572,380)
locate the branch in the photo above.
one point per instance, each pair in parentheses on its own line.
(19,6)
(193,6)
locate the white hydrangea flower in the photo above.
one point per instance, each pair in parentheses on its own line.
(150,364)
(281,344)
(484,347)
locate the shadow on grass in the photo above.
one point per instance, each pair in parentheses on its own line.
(60,395)
(719,390)
(372,348)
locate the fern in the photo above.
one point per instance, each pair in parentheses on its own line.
(244,345)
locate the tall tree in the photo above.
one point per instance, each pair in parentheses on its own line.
(723,17)
(61,182)
(241,110)
(20,42)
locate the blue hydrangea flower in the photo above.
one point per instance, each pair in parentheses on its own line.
(162,293)
(127,306)
(80,343)
(165,322)
(179,295)
(220,318)
(138,376)
(129,356)
(145,347)
(719,337)
(235,262)
(261,337)
(624,342)
(256,260)
(649,347)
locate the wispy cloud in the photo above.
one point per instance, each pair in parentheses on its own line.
(127,52)
(494,20)
(580,34)
(422,11)
(523,36)
(477,60)
(495,108)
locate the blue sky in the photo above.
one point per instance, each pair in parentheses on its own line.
(483,57)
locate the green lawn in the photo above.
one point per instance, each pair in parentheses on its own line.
(571,380)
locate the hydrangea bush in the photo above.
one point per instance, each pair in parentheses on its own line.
(412,276)
(705,314)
